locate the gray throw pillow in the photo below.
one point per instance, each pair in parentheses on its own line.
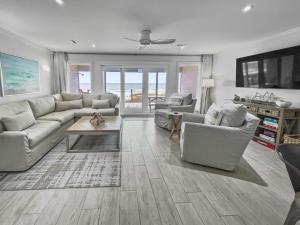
(88,98)
(101,104)
(71,96)
(213,115)
(187,99)
(233,115)
(19,121)
(67,105)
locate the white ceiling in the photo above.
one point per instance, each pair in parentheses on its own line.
(206,26)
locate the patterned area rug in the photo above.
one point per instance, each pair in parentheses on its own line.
(59,169)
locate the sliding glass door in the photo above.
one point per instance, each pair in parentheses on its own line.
(133,90)
(139,88)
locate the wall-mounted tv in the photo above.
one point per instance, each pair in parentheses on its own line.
(276,69)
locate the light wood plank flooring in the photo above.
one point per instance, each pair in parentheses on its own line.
(159,189)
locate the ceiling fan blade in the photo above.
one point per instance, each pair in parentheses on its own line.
(163,41)
(130,39)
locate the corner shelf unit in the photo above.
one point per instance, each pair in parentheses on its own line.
(287,122)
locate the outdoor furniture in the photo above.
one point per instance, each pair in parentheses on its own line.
(216,146)
(290,155)
(154,100)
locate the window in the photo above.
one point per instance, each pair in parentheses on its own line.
(188,79)
(112,81)
(80,78)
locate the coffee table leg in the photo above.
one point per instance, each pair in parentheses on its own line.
(173,127)
(67,143)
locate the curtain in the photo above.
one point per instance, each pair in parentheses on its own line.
(59,78)
(205,93)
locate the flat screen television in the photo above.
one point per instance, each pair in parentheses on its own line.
(276,69)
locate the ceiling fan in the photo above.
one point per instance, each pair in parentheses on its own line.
(145,39)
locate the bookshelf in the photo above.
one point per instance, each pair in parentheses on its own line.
(275,122)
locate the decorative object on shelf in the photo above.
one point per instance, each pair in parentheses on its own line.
(19,75)
(268,98)
(292,139)
(97,119)
(236,97)
(282,103)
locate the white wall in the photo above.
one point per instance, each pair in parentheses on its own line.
(224,67)
(96,60)
(14,45)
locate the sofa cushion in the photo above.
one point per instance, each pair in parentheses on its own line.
(42,106)
(67,105)
(11,109)
(62,117)
(71,96)
(90,111)
(100,104)
(88,98)
(40,131)
(233,115)
(213,115)
(19,122)
(113,99)
(162,113)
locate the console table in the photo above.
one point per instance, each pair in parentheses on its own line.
(287,118)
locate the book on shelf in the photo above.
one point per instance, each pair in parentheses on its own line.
(270,123)
(269,133)
(269,145)
(267,137)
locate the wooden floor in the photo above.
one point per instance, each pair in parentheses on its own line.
(158,189)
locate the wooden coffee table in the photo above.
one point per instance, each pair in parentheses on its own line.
(112,125)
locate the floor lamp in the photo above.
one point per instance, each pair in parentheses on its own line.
(207,84)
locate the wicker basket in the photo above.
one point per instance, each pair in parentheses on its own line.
(292,139)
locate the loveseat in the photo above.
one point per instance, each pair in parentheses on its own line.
(30,128)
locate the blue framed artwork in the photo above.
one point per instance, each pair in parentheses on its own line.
(18,75)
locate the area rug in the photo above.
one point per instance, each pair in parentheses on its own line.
(59,169)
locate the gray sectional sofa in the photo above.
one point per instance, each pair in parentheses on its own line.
(30,128)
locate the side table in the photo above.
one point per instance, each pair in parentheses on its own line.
(175,118)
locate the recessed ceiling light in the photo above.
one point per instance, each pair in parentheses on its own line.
(74,42)
(247,8)
(93,45)
(60,2)
(181,46)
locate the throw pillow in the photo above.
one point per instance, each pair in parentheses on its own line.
(213,116)
(66,105)
(100,104)
(88,98)
(187,99)
(19,121)
(233,115)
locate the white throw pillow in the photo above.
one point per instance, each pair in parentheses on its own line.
(100,104)
(213,115)
(66,105)
(19,121)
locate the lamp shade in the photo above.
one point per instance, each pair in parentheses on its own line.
(208,82)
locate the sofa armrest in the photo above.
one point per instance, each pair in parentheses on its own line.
(13,148)
(117,109)
(183,108)
(161,105)
(193,117)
